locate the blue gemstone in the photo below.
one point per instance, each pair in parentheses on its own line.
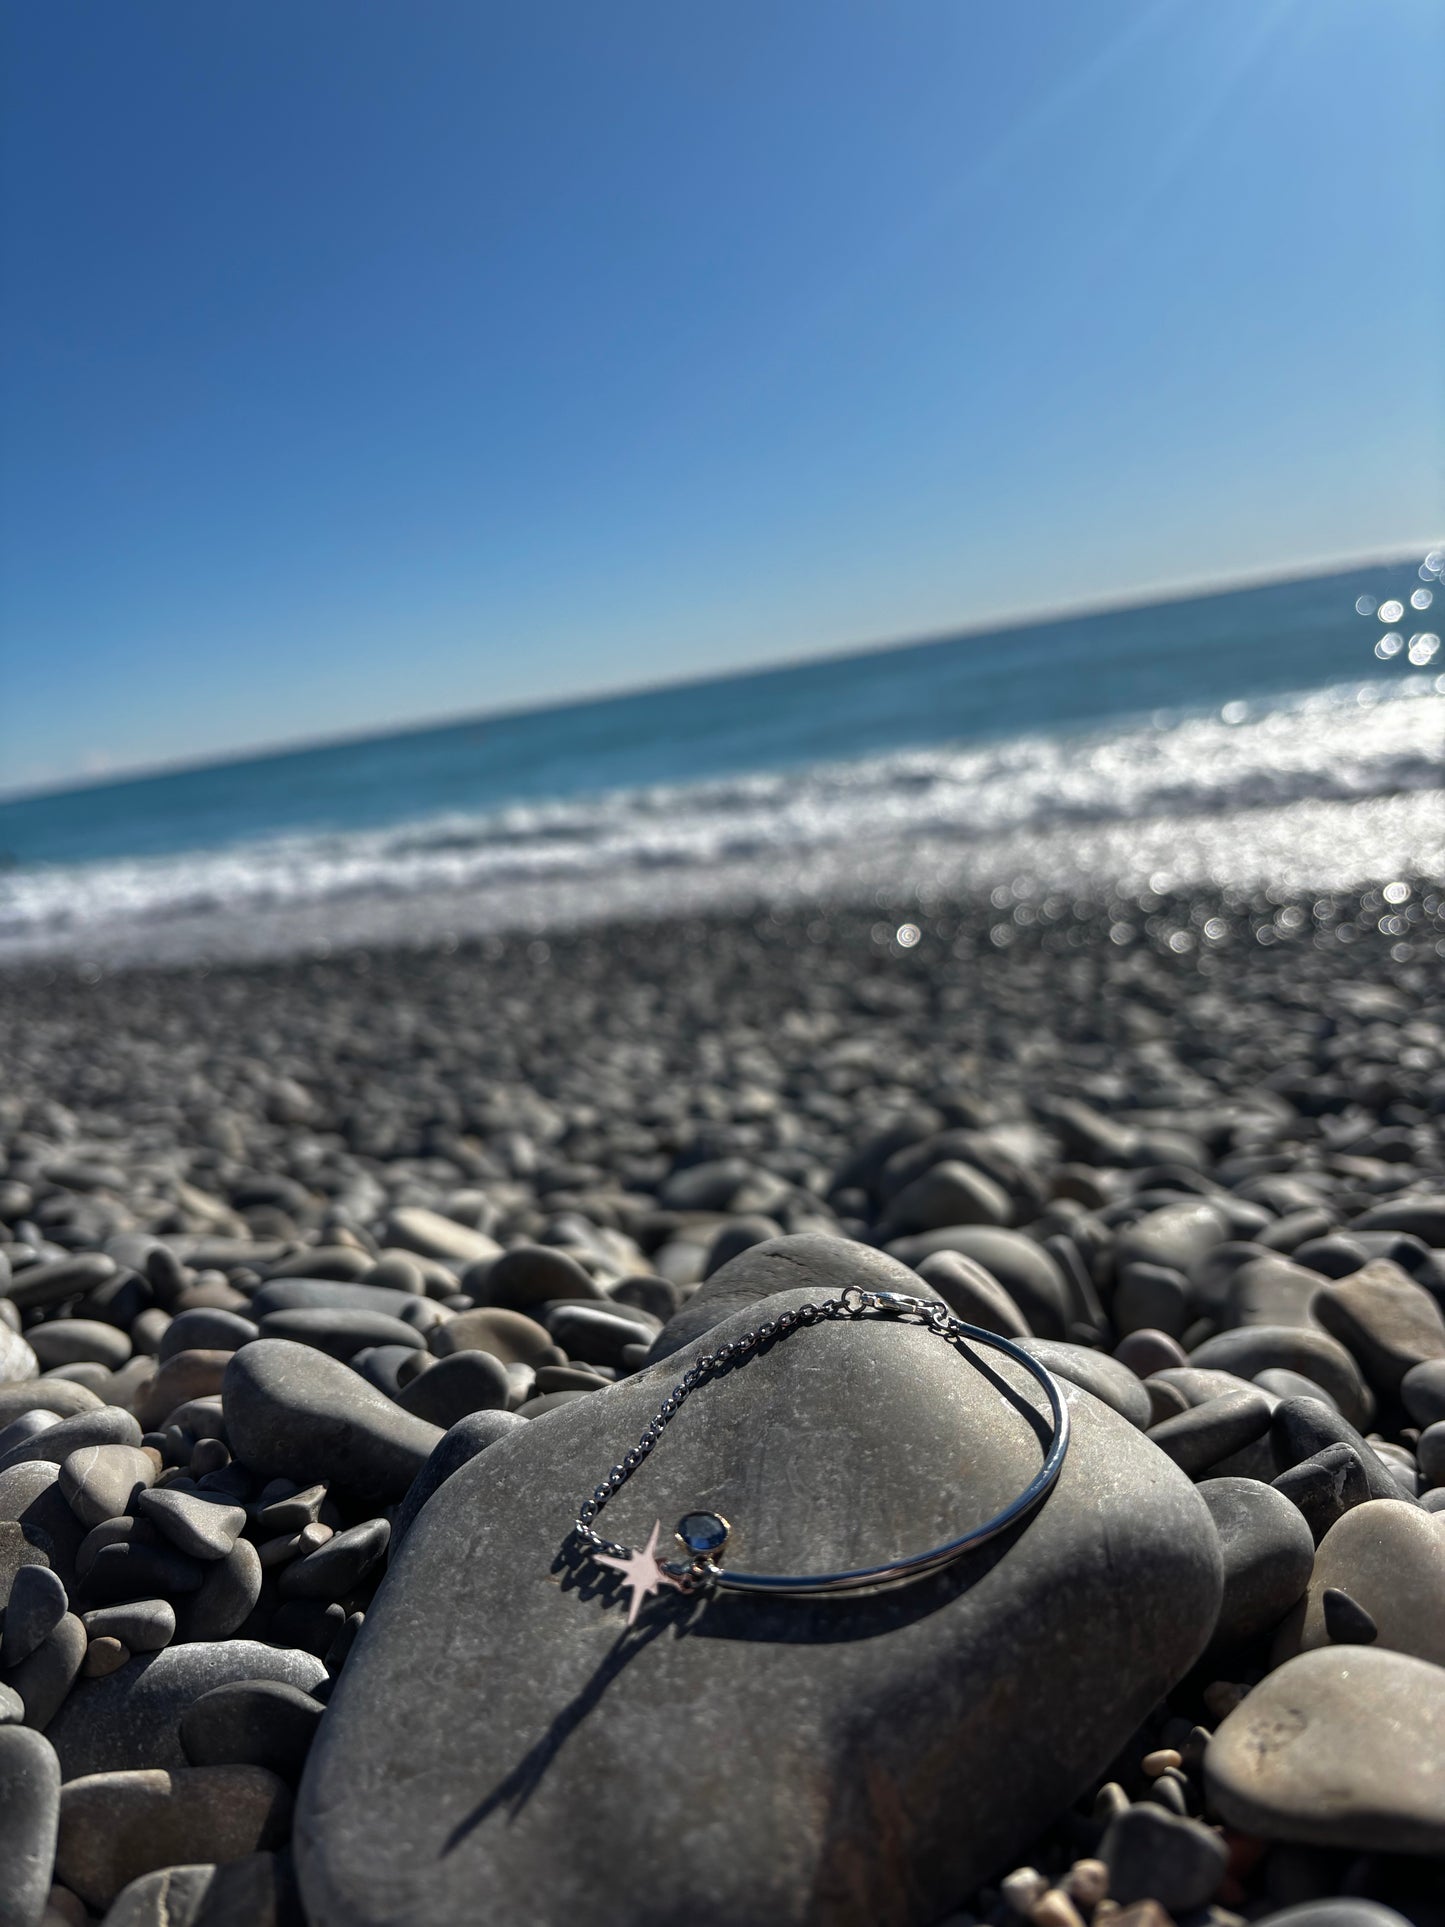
(703,1533)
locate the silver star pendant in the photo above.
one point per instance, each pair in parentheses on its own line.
(644,1572)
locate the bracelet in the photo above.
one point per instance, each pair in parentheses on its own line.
(703,1535)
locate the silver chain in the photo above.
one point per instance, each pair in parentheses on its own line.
(850,1304)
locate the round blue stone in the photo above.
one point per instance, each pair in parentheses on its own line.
(703,1533)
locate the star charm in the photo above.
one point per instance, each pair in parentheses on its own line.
(644,1573)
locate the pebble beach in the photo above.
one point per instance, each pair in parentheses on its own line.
(332,1285)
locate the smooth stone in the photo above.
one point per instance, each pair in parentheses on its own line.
(1389,1556)
(46,1677)
(454,1386)
(1419,1217)
(293,1412)
(532,1275)
(1028,1273)
(26,1427)
(414,1228)
(201,1528)
(340,1262)
(412,1804)
(1340,1747)
(324,1294)
(457,1448)
(1105,1377)
(251,1722)
(29,1818)
(57,1395)
(827,1264)
(1422,1390)
(594,1335)
(75,1341)
(567,1378)
(949,1193)
(509,1335)
(142,1625)
(292,1513)
(1148,1351)
(104,1655)
(130,1718)
(972,1294)
(1388,1323)
(1269,1553)
(1177,1235)
(223,1601)
(1210,1433)
(1154,1855)
(1271,1291)
(50,1283)
(1346,1621)
(338,1567)
(1325,1487)
(1151,1297)
(134,1569)
(36,1605)
(736,1235)
(12,1707)
(1303,1427)
(98,1482)
(341,1334)
(1255,1348)
(18,1362)
(20,1545)
(186,1376)
(206,1329)
(116,1826)
(1280,1383)
(1430,1453)
(258,1890)
(105,1425)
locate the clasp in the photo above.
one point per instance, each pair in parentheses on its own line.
(899,1303)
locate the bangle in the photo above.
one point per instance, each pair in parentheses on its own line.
(703,1535)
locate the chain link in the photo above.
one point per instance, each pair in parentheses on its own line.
(850,1304)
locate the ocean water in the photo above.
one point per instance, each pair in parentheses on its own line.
(1247,736)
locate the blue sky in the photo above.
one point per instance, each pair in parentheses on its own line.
(368,362)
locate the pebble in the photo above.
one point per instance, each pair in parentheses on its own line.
(36,1605)
(1325,1487)
(143,1625)
(74,1341)
(1423,1391)
(116,1826)
(414,1228)
(45,1676)
(457,1448)
(463,1382)
(1257,1348)
(222,1603)
(18,1362)
(1339,1747)
(511,1336)
(341,1334)
(972,1294)
(1389,1557)
(251,1722)
(1346,1621)
(1302,1427)
(131,1719)
(1208,1433)
(1147,1351)
(1114,1384)
(1154,1855)
(102,1656)
(29,1819)
(99,1482)
(195,1524)
(1269,1554)
(338,1567)
(103,1425)
(291,1410)
(1388,1322)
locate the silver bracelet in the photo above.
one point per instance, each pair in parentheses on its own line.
(703,1535)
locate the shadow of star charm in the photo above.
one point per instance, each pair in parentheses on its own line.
(644,1573)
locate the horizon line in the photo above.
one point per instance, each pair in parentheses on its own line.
(1143,597)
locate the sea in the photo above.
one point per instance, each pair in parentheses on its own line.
(1287,735)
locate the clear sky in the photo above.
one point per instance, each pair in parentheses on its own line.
(368,361)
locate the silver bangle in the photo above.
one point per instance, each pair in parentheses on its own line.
(703,1535)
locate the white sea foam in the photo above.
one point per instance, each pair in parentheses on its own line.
(1321,791)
